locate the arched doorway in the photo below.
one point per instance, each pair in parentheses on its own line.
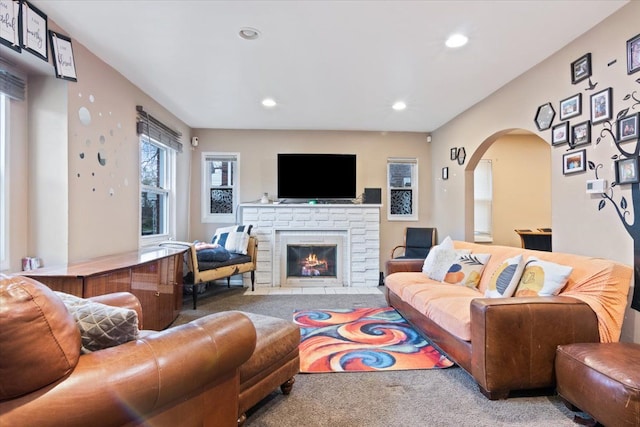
(520,166)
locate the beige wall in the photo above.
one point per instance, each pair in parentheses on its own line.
(521,168)
(104,200)
(258,156)
(65,206)
(578,225)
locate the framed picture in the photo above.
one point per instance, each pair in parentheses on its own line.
(581,68)
(633,54)
(453,154)
(574,162)
(627,171)
(601,106)
(544,116)
(571,107)
(445,173)
(628,127)
(560,133)
(62,52)
(581,133)
(34,30)
(10,24)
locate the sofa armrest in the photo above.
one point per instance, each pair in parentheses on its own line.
(404,265)
(121,299)
(514,340)
(193,366)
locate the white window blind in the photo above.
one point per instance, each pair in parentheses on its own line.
(12,82)
(157,131)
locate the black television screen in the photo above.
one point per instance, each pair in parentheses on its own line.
(316,176)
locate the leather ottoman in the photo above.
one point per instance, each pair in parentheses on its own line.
(274,362)
(602,380)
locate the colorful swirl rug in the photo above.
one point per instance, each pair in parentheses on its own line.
(362,339)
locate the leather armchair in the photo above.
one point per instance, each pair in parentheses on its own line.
(187,375)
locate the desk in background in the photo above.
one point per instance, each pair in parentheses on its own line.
(538,240)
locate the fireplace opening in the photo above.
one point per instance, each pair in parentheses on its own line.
(311,261)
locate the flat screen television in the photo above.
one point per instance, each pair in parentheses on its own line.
(316,176)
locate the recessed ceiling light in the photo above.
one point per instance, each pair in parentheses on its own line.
(457,40)
(249,33)
(268,102)
(399,106)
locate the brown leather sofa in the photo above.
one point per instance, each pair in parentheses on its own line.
(184,376)
(512,341)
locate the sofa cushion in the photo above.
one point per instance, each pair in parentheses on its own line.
(234,239)
(101,326)
(542,278)
(505,278)
(467,270)
(39,337)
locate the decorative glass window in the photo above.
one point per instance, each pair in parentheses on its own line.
(157,163)
(402,188)
(220,187)
(483,202)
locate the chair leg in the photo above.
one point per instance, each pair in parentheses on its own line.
(229,282)
(253,280)
(195,294)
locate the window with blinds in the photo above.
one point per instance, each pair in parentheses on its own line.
(158,147)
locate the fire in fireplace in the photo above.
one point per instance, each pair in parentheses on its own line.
(311,260)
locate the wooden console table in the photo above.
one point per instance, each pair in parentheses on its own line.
(154,275)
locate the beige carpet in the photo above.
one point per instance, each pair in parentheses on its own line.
(439,397)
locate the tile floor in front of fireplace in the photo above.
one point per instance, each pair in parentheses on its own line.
(312,290)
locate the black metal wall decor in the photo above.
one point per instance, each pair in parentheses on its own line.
(544,116)
(462,155)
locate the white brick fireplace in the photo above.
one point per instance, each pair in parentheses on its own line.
(354,229)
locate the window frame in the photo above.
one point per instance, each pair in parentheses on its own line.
(478,236)
(167,189)
(5,230)
(413,161)
(205,187)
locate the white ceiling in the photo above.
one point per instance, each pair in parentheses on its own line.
(335,65)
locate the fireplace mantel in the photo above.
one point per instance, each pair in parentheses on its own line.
(359,223)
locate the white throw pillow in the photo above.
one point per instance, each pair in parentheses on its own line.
(542,278)
(437,265)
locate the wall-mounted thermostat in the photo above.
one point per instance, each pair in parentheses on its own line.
(596,185)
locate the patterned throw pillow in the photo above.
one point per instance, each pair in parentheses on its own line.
(542,278)
(467,270)
(506,278)
(101,326)
(235,239)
